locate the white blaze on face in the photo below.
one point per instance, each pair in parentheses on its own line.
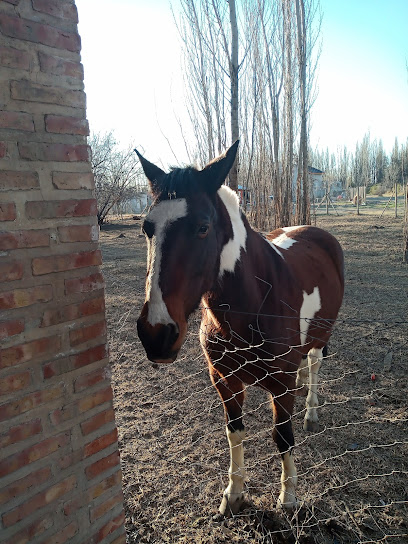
(231,252)
(162,216)
(311,305)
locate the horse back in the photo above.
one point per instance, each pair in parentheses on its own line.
(313,258)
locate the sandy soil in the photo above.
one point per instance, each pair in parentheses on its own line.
(353,474)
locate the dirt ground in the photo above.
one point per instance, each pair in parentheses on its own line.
(352,475)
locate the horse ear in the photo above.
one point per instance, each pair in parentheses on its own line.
(214,174)
(152,172)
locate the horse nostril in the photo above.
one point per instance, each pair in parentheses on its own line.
(171,334)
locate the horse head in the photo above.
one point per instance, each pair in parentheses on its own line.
(184,244)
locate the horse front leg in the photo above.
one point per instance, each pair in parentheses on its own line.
(232,394)
(283,436)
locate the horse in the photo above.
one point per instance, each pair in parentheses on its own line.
(267,301)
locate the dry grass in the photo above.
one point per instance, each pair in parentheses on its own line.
(353,482)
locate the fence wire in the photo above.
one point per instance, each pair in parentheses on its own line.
(352,473)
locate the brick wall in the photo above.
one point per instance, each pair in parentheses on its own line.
(60,479)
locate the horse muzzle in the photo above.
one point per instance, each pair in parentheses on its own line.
(162,342)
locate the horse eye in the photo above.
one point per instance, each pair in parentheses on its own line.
(203,231)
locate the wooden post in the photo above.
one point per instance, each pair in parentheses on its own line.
(327,197)
(358,199)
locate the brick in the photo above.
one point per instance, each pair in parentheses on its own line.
(90,356)
(34,151)
(73,180)
(23,485)
(106,484)
(63,535)
(56,8)
(60,67)
(86,284)
(67,412)
(101,443)
(7,211)
(23,353)
(11,328)
(61,124)
(14,382)
(28,534)
(73,505)
(73,311)
(28,91)
(39,501)
(100,510)
(16,120)
(31,31)
(70,459)
(11,271)
(67,364)
(19,298)
(20,432)
(102,465)
(86,333)
(96,422)
(32,454)
(14,58)
(108,529)
(74,409)
(78,233)
(11,180)
(3,150)
(62,263)
(51,209)
(91,379)
(21,239)
(120,540)
(95,399)
(29,402)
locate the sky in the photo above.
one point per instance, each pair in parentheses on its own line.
(132,62)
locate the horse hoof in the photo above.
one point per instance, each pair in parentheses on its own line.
(287,504)
(231,506)
(311,426)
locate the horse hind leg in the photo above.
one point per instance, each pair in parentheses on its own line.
(302,378)
(311,422)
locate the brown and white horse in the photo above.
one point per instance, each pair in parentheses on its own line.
(267,301)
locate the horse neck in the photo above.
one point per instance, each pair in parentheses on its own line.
(243,260)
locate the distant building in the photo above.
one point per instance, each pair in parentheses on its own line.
(317,183)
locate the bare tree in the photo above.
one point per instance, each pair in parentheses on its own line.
(116,173)
(249,64)
(233,74)
(302,185)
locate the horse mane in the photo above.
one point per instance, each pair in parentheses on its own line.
(179,183)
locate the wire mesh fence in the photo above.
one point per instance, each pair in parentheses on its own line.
(352,473)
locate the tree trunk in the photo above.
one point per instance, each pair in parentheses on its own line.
(302,193)
(287,159)
(406,225)
(233,176)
